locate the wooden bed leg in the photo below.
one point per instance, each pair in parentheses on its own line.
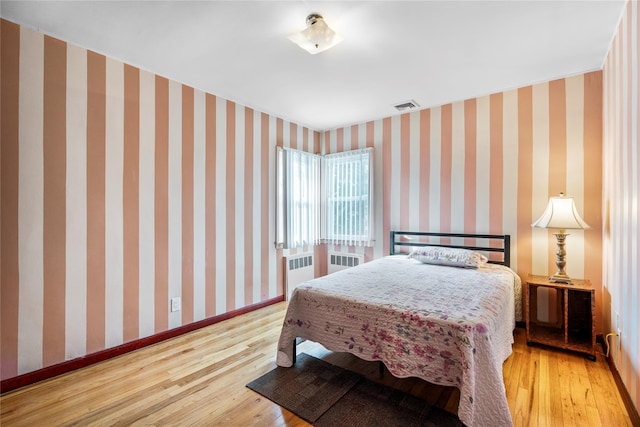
(381,368)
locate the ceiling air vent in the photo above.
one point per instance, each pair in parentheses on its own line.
(408,105)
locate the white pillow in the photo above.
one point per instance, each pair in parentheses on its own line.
(454,257)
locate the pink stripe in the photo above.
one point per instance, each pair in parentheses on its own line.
(386,182)
(293,136)
(470,160)
(279,257)
(525,180)
(445,170)
(405,169)
(340,140)
(187,203)
(231,205)
(9,125)
(279,133)
(210,206)
(267,218)
(355,144)
(54,227)
(96,111)
(425,167)
(130,201)
(557,160)
(161,207)
(592,130)
(320,255)
(305,141)
(248,206)
(496,161)
(316,142)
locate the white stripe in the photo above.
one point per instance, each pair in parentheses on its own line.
(625,190)
(30,201)
(199,196)
(574,87)
(221,202)
(540,185)
(146,205)
(258,212)
(457,166)
(414,170)
(347,138)
(273,288)
(434,168)
(629,205)
(76,205)
(333,141)
(395,170)
(286,135)
(114,166)
(632,324)
(510,171)
(175,199)
(239,208)
(483,160)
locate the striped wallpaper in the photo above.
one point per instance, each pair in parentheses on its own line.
(621,179)
(120,190)
(489,165)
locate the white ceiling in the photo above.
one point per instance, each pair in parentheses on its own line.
(433,52)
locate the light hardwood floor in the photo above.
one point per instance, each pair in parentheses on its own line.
(199,379)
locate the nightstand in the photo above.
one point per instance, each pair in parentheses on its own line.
(576,326)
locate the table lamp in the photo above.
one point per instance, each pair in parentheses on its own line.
(561,214)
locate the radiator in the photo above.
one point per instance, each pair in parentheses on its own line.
(340,261)
(298,269)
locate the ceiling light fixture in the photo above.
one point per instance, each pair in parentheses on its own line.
(317,37)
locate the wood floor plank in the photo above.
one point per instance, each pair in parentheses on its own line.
(198,379)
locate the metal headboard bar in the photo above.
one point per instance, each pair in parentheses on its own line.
(505,238)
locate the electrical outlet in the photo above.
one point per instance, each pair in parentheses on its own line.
(175,304)
(619,341)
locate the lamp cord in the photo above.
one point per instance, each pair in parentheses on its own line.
(606,341)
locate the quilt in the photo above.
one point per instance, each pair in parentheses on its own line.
(447,325)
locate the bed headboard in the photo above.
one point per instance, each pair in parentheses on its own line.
(503,246)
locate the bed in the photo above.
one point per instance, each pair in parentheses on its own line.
(445,324)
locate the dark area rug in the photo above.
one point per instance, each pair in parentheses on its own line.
(308,389)
(329,396)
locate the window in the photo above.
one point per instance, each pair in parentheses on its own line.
(324,198)
(298,216)
(348,197)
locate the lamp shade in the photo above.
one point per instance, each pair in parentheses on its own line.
(561,212)
(317,37)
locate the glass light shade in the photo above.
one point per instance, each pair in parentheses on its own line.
(561,213)
(317,37)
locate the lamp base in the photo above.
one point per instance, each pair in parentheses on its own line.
(560,278)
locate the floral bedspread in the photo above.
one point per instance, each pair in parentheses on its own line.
(447,325)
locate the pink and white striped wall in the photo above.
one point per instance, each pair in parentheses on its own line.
(489,165)
(120,190)
(621,291)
